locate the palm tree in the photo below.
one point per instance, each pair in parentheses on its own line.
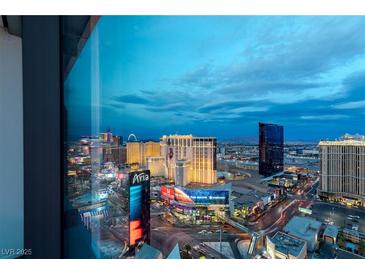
(186,252)
(341,240)
(187,248)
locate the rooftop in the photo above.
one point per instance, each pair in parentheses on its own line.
(287,244)
(249,199)
(187,136)
(353,137)
(346,140)
(217,186)
(331,231)
(305,228)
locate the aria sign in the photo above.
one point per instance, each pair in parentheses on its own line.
(139,208)
(139,177)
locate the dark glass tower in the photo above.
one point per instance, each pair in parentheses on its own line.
(271,149)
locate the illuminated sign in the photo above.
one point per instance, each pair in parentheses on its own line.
(140,177)
(201,196)
(120,176)
(139,208)
(167,192)
(101,194)
(182,196)
(305,210)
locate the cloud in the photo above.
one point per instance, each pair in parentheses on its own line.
(350,105)
(287,64)
(169,107)
(297,71)
(147,92)
(202,76)
(116,105)
(232,106)
(324,117)
(131,99)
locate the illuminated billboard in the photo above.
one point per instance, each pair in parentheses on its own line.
(305,210)
(167,192)
(101,194)
(202,196)
(139,207)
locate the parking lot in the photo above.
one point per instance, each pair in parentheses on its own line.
(331,212)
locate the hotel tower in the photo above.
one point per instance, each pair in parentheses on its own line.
(190,159)
(342,167)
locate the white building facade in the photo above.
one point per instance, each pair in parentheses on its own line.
(342,167)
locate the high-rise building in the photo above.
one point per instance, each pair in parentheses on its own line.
(138,152)
(156,165)
(117,140)
(342,168)
(107,137)
(271,149)
(134,152)
(182,172)
(118,154)
(150,149)
(199,154)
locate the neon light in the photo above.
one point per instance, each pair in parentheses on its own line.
(135,231)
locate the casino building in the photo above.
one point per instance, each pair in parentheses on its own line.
(139,152)
(342,167)
(190,159)
(183,159)
(198,206)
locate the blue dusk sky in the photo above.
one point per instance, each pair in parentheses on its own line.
(220,76)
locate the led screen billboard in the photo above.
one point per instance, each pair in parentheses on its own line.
(167,192)
(139,207)
(202,196)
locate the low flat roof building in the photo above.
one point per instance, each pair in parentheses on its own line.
(284,246)
(305,228)
(353,235)
(250,200)
(330,234)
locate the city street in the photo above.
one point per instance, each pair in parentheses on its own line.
(164,236)
(336,213)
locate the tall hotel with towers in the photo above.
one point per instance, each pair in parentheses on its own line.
(190,159)
(342,167)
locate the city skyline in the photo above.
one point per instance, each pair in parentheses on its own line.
(156,76)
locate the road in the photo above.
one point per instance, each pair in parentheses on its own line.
(164,236)
(325,212)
